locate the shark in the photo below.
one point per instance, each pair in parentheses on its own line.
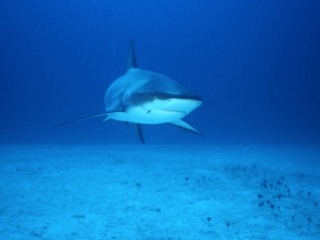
(145,97)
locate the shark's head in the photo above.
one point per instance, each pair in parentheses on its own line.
(159,99)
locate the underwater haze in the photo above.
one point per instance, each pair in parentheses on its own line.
(255,173)
(254,63)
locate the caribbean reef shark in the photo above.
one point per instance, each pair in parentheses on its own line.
(145,97)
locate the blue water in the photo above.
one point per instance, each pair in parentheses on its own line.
(255,64)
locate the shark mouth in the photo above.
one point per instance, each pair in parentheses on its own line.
(175,111)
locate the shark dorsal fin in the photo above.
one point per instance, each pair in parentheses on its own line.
(132,62)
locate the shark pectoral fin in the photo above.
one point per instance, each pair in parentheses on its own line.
(139,130)
(88,117)
(106,119)
(185,126)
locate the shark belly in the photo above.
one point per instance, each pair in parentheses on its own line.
(143,116)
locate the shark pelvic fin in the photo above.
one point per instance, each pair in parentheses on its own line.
(185,126)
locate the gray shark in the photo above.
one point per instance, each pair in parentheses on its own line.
(145,97)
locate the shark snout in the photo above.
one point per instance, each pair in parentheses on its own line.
(173,104)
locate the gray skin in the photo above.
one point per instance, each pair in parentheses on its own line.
(145,97)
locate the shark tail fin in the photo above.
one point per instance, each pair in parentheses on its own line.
(185,126)
(139,130)
(132,62)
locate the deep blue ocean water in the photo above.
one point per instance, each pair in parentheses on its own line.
(256,64)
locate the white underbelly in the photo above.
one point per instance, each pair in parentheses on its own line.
(140,115)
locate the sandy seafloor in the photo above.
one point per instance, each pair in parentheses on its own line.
(159,192)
